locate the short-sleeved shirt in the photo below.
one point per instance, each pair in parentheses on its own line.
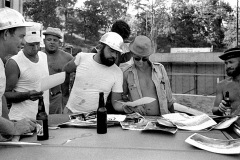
(2,83)
(90,79)
(160,80)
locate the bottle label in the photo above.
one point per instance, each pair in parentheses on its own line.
(40,127)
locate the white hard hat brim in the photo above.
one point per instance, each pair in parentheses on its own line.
(26,24)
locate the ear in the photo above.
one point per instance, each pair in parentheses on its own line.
(5,34)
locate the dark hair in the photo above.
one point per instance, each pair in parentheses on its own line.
(122,28)
(12,30)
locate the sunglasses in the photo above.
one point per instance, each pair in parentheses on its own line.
(144,59)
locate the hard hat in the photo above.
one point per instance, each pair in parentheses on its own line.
(33,33)
(113,40)
(10,18)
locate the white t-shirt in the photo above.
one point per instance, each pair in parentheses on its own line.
(30,79)
(2,83)
(92,78)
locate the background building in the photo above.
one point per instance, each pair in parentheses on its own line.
(14,4)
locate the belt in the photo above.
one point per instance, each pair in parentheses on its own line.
(54,94)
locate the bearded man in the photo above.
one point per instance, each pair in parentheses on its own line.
(95,72)
(231,58)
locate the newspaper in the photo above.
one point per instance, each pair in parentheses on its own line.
(193,123)
(225,123)
(136,121)
(89,120)
(214,145)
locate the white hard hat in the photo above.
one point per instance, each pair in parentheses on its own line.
(113,40)
(33,33)
(10,18)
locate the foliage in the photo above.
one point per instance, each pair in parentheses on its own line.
(195,23)
(42,12)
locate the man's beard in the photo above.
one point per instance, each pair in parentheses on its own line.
(106,61)
(233,73)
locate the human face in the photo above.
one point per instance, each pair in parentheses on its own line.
(31,49)
(14,41)
(52,43)
(108,55)
(140,60)
(232,66)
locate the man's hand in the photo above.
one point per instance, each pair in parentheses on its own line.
(34,95)
(24,126)
(222,108)
(139,109)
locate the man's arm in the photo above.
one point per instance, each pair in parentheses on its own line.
(5,110)
(218,102)
(116,101)
(8,127)
(70,66)
(65,87)
(12,76)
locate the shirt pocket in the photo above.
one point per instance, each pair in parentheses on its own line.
(132,86)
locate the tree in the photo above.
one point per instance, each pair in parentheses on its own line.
(42,11)
(98,15)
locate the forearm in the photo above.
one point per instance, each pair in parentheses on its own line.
(171,108)
(16,97)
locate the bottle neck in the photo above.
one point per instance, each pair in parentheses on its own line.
(41,106)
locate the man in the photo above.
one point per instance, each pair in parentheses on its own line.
(12,31)
(24,72)
(231,58)
(123,29)
(95,72)
(56,60)
(147,79)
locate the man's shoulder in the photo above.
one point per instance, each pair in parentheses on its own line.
(65,54)
(128,69)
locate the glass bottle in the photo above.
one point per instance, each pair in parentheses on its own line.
(42,121)
(101,115)
(228,104)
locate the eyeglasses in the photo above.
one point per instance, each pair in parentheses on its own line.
(144,59)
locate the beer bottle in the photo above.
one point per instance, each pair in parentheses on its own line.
(101,115)
(228,104)
(42,121)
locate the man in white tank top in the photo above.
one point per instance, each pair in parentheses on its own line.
(24,72)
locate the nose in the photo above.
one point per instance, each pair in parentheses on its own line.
(35,47)
(114,54)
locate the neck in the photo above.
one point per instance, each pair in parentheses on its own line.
(237,78)
(50,52)
(32,58)
(144,68)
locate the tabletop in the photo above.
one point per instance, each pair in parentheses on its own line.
(85,143)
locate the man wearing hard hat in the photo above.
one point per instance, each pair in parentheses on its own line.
(24,72)
(95,72)
(12,32)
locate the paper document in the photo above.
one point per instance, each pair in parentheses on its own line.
(226,123)
(52,81)
(141,101)
(193,123)
(214,145)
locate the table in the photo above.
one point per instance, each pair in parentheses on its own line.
(116,144)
